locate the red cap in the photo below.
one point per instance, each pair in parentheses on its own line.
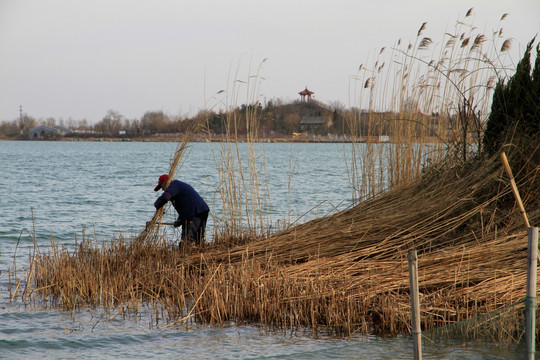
(162,179)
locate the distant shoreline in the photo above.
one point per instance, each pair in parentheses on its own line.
(304,138)
(195,139)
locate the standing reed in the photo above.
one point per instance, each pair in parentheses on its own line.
(430,98)
(243,186)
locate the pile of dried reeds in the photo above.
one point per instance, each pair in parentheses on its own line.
(345,273)
(349,271)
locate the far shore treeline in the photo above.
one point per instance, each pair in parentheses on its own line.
(427,91)
(276,119)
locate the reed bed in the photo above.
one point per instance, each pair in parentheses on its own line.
(470,263)
(343,274)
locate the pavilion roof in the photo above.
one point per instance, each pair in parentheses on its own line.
(306,92)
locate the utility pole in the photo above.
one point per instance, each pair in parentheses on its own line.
(20,119)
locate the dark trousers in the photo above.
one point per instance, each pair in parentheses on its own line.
(194,229)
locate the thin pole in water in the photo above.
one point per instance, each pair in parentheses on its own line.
(415,304)
(530,300)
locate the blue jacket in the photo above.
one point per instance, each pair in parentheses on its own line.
(187,202)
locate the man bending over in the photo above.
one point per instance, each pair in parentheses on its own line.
(191,208)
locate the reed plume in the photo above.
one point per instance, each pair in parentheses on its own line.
(419,110)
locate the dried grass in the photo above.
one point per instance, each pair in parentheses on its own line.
(342,274)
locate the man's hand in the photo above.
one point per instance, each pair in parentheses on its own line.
(177,223)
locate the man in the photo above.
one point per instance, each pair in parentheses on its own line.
(191,208)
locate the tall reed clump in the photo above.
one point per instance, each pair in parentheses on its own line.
(429,98)
(243,186)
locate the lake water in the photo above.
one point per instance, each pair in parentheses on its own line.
(106,188)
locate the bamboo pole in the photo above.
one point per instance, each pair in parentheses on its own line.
(415,304)
(530,300)
(515,189)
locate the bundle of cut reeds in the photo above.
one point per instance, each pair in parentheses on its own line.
(151,232)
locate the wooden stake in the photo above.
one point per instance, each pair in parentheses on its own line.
(415,304)
(515,189)
(530,300)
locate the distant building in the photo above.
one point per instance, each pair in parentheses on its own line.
(313,123)
(62,130)
(47,131)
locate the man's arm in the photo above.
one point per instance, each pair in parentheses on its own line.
(162,200)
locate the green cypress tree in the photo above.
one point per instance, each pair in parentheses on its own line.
(536,93)
(515,109)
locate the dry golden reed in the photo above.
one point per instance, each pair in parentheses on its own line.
(435,92)
(343,274)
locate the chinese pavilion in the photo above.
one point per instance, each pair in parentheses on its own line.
(305,93)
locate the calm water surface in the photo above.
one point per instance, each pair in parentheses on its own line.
(61,190)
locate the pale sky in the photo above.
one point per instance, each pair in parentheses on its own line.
(78,59)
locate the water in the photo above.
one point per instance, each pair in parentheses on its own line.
(64,189)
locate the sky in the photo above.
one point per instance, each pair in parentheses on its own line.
(73,59)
